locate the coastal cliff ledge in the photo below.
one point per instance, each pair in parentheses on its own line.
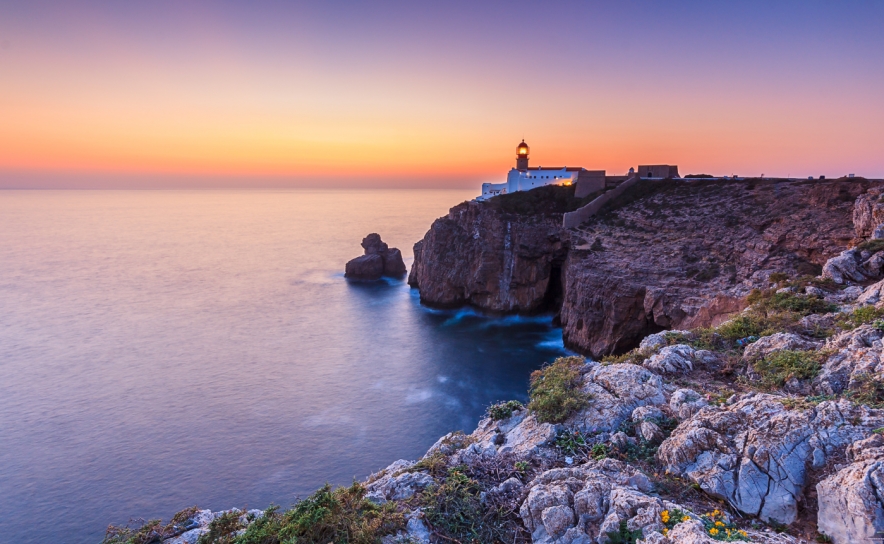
(665,254)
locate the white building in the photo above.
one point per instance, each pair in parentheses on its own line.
(523,178)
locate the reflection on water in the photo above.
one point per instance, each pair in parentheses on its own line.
(160,349)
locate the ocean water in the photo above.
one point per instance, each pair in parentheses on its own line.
(160,349)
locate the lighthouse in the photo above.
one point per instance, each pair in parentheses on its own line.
(522,157)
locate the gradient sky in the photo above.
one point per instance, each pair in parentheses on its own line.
(265,94)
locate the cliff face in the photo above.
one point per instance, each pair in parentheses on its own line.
(668,254)
(686,254)
(495,260)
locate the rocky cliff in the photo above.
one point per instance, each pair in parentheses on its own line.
(666,254)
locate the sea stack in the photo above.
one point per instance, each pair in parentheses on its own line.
(379,260)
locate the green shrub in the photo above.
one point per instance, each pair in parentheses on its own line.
(860,316)
(871,245)
(777,277)
(769,300)
(556,390)
(867,390)
(222,530)
(339,516)
(265,529)
(455,511)
(150,531)
(779,367)
(503,410)
(623,535)
(635,356)
(570,442)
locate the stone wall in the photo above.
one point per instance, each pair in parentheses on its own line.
(589,182)
(573,219)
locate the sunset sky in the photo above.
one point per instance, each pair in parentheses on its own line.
(432,94)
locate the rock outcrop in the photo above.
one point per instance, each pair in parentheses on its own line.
(851,501)
(379,260)
(713,241)
(497,261)
(756,454)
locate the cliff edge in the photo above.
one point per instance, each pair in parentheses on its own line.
(665,254)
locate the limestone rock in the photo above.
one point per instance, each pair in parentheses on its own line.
(617,390)
(755,454)
(868,213)
(874,265)
(647,413)
(684,403)
(415,532)
(594,494)
(650,431)
(859,357)
(394,483)
(378,260)
(675,359)
(780,341)
(844,268)
(658,340)
(520,434)
(851,508)
(872,294)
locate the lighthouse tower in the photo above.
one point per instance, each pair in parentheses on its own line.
(522,157)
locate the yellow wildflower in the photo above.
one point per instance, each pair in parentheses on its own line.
(716,513)
(665,531)
(743,533)
(713,531)
(720,524)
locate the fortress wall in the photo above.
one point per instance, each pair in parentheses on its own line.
(575,218)
(588,182)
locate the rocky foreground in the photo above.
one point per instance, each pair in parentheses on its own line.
(764,426)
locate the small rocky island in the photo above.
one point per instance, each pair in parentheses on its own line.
(379,260)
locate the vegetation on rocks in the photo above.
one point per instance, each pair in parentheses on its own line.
(861,316)
(778,368)
(556,390)
(623,535)
(503,410)
(149,531)
(334,516)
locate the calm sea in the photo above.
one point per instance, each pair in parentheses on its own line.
(160,349)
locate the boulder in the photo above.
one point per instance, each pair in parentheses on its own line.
(378,260)
(394,266)
(366,267)
(395,483)
(845,267)
(616,391)
(684,403)
(520,434)
(575,504)
(780,341)
(858,357)
(755,454)
(677,359)
(658,340)
(872,294)
(868,213)
(851,501)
